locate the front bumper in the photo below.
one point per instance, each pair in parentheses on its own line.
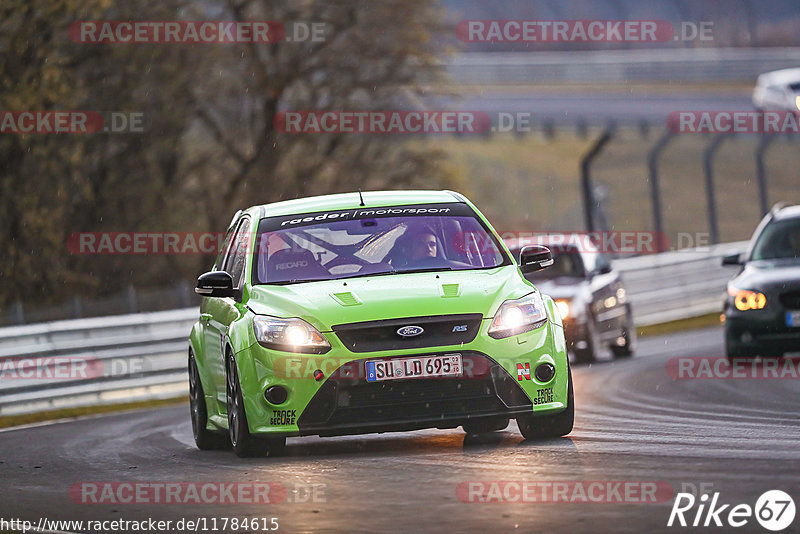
(760,333)
(344,403)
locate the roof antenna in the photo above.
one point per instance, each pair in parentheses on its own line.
(361,197)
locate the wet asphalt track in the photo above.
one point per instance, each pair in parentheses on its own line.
(633,422)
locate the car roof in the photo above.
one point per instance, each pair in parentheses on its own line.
(788,212)
(780,76)
(342,201)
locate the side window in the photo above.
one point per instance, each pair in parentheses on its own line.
(237,255)
(220,261)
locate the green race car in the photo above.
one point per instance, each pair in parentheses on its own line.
(374,312)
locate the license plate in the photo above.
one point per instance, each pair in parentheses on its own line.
(418,367)
(793,318)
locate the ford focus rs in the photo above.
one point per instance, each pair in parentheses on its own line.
(387,311)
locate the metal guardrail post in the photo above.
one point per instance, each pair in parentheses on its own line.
(18,313)
(586,182)
(708,167)
(131,299)
(655,190)
(761,175)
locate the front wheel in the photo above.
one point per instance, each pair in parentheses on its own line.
(629,335)
(588,354)
(551,426)
(245,445)
(203,437)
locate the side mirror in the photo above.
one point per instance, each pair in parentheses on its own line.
(603,269)
(534,258)
(215,284)
(733,259)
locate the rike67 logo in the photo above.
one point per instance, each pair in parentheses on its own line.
(774,510)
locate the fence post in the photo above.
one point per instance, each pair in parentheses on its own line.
(131,298)
(586,182)
(183,290)
(655,190)
(18,313)
(761,174)
(77,308)
(708,166)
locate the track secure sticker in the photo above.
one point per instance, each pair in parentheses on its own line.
(283,417)
(543,396)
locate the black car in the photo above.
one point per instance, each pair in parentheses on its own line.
(590,296)
(762,309)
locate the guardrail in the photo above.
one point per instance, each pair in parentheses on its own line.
(143,356)
(616,66)
(105,360)
(677,285)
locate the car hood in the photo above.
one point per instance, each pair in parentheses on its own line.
(333,302)
(769,275)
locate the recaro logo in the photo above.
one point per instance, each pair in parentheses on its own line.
(410,331)
(291,265)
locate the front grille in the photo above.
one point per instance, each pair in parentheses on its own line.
(348,403)
(439,331)
(791,300)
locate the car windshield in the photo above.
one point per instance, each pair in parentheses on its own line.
(364,242)
(567,262)
(779,240)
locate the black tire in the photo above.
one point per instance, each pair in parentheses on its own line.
(485,425)
(244,444)
(629,333)
(552,426)
(588,354)
(205,439)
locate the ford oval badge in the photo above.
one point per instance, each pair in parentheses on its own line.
(410,331)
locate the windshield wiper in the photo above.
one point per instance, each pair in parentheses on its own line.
(296,281)
(423,270)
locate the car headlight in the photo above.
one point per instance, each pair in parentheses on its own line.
(290,335)
(518,316)
(745,300)
(563,307)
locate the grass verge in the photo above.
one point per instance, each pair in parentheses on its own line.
(680,325)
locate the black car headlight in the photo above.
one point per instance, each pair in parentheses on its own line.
(290,335)
(744,299)
(518,316)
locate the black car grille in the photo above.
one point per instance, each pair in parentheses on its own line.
(438,331)
(348,403)
(791,300)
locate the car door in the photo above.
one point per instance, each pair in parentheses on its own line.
(221,312)
(609,310)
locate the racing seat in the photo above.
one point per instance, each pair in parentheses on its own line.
(288,264)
